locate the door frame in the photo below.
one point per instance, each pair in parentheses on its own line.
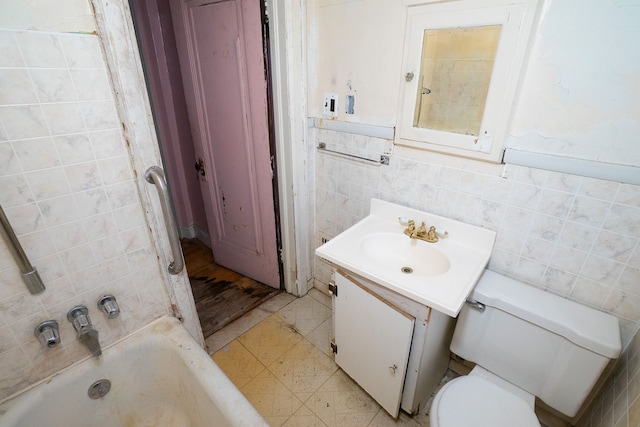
(287,46)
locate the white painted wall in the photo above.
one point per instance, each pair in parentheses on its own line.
(580,93)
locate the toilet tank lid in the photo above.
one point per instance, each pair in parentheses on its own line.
(582,325)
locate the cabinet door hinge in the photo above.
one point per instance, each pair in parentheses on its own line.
(333,289)
(334,347)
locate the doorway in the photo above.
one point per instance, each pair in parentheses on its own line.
(153,22)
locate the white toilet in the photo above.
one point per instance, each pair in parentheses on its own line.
(526,343)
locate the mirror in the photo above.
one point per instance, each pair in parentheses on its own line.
(455,73)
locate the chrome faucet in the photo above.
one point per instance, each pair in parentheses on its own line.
(86,333)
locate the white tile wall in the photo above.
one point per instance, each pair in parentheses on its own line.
(573,236)
(67,186)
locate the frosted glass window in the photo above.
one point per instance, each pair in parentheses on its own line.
(454,77)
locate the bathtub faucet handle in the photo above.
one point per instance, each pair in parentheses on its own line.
(109,306)
(48,334)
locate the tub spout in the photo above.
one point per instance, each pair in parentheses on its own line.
(88,336)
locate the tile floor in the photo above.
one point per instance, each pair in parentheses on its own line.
(278,355)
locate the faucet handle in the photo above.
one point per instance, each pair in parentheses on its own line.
(109,306)
(79,317)
(48,334)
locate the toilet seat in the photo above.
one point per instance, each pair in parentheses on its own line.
(473,401)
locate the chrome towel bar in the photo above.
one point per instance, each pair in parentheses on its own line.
(29,274)
(155,175)
(384,160)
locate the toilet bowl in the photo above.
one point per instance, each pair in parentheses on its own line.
(526,344)
(482,399)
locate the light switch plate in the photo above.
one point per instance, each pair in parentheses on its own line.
(330,105)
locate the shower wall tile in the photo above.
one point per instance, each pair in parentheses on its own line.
(573,236)
(66,185)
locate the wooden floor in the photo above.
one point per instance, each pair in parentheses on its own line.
(221,295)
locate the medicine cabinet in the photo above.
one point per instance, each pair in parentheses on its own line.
(462,65)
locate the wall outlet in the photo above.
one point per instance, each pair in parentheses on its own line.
(330,105)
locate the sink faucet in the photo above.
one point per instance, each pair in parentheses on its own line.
(421,232)
(86,333)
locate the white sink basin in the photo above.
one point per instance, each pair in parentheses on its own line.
(410,256)
(440,275)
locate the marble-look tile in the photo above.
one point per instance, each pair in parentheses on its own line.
(23,121)
(53,85)
(15,191)
(82,51)
(64,118)
(41,50)
(100,115)
(58,210)
(114,170)
(91,84)
(25,218)
(107,143)
(83,176)
(16,87)
(623,219)
(11,56)
(74,148)
(37,153)
(8,159)
(48,183)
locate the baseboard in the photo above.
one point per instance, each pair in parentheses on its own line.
(193,232)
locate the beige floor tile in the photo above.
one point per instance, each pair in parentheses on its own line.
(305,314)
(271,398)
(238,363)
(322,335)
(383,419)
(303,369)
(341,402)
(304,418)
(320,296)
(270,339)
(239,326)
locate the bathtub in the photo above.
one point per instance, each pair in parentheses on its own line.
(159,376)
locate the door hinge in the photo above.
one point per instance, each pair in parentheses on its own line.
(333,289)
(334,347)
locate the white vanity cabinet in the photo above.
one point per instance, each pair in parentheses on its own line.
(396,349)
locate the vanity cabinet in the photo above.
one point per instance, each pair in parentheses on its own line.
(396,349)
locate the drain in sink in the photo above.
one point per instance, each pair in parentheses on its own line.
(407,270)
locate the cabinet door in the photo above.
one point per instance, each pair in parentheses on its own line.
(373,339)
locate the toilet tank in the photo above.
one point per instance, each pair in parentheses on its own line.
(551,347)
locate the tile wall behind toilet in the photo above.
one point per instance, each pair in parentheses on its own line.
(67,187)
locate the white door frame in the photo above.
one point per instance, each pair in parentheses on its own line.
(287,31)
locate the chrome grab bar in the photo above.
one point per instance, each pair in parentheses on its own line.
(29,274)
(155,175)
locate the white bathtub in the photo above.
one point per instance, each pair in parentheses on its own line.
(159,377)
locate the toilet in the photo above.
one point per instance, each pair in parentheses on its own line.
(526,343)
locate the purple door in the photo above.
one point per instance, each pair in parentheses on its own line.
(222,63)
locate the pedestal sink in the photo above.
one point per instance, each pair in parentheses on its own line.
(439,275)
